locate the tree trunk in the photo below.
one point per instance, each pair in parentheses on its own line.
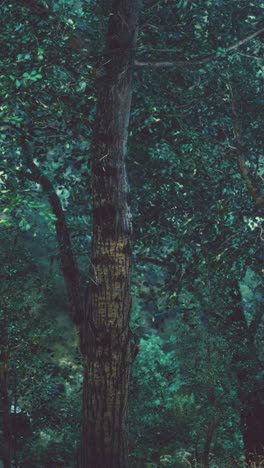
(213,423)
(247,368)
(250,383)
(252,418)
(5,419)
(207,445)
(108,344)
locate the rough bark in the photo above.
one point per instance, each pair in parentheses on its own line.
(108,344)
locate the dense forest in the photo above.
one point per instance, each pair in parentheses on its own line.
(131,234)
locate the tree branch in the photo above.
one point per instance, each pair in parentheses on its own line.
(70,271)
(154,261)
(77,41)
(254,57)
(199,60)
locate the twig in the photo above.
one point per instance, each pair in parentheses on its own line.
(198,60)
(250,56)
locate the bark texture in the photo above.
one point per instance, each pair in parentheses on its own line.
(108,344)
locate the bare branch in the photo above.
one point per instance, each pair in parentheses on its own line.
(154,5)
(176,63)
(198,60)
(246,39)
(250,56)
(153,49)
(154,261)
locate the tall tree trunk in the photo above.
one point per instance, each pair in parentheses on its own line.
(108,344)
